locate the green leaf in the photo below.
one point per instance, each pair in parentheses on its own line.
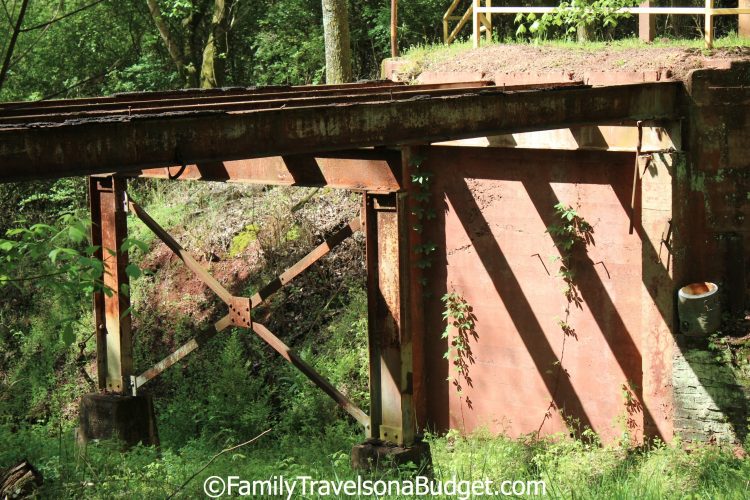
(68,336)
(57,251)
(133,271)
(129,243)
(521,30)
(76,234)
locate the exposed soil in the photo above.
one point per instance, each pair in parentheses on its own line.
(578,61)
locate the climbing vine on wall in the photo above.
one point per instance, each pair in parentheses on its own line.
(460,320)
(571,234)
(422,212)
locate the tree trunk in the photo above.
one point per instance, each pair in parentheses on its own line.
(19,481)
(184,70)
(214,52)
(338,48)
(585,31)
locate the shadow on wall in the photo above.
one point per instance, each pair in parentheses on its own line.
(579,399)
(711,402)
(615,352)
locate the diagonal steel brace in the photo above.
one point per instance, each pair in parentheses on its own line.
(240,307)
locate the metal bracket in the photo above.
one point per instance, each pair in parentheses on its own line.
(637,174)
(239,312)
(133,385)
(390,434)
(386,203)
(666,241)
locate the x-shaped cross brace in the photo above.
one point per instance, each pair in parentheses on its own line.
(240,309)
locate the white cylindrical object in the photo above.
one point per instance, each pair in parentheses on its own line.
(699,309)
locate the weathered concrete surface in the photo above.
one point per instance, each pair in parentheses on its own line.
(691,225)
(111,416)
(493,209)
(715,182)
(712,240)
(376,455)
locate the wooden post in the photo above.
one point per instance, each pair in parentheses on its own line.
(390,342)
(743,20)
(394,28)
(709,25)
(646,24)
(114,350)
(475,23)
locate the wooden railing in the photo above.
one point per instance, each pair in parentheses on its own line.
(482,18)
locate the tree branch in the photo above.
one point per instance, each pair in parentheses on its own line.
(166,35)
(54,20)
(215,457)
(12,43)
(7,12)
(32,278)
(31,46)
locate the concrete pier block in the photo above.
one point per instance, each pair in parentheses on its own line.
(374,454)
(130,419)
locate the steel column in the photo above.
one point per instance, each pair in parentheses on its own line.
(114,350)
(390,340)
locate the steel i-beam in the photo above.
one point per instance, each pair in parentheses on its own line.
(109,230)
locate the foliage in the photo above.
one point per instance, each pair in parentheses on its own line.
(571,234)
(459,317)
(459,331)
(732,353)
(570,16)
(571,468)
(57,259)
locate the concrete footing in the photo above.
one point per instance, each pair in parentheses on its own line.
(130,419)
(374,454)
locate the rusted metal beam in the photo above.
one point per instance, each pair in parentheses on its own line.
(183,254)
(373,170)
(114,350)
(58,112)
(389,319)
(287,276)
(291,356)
(125,97)
(231,106)
(185,349)
(123,143)
(308,260)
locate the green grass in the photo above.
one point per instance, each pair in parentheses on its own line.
(456,48)
(570,468)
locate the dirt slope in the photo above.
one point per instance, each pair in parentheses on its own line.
(576,61)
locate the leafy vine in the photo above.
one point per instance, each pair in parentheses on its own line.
(459,318)
(422,212)
(570,234)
